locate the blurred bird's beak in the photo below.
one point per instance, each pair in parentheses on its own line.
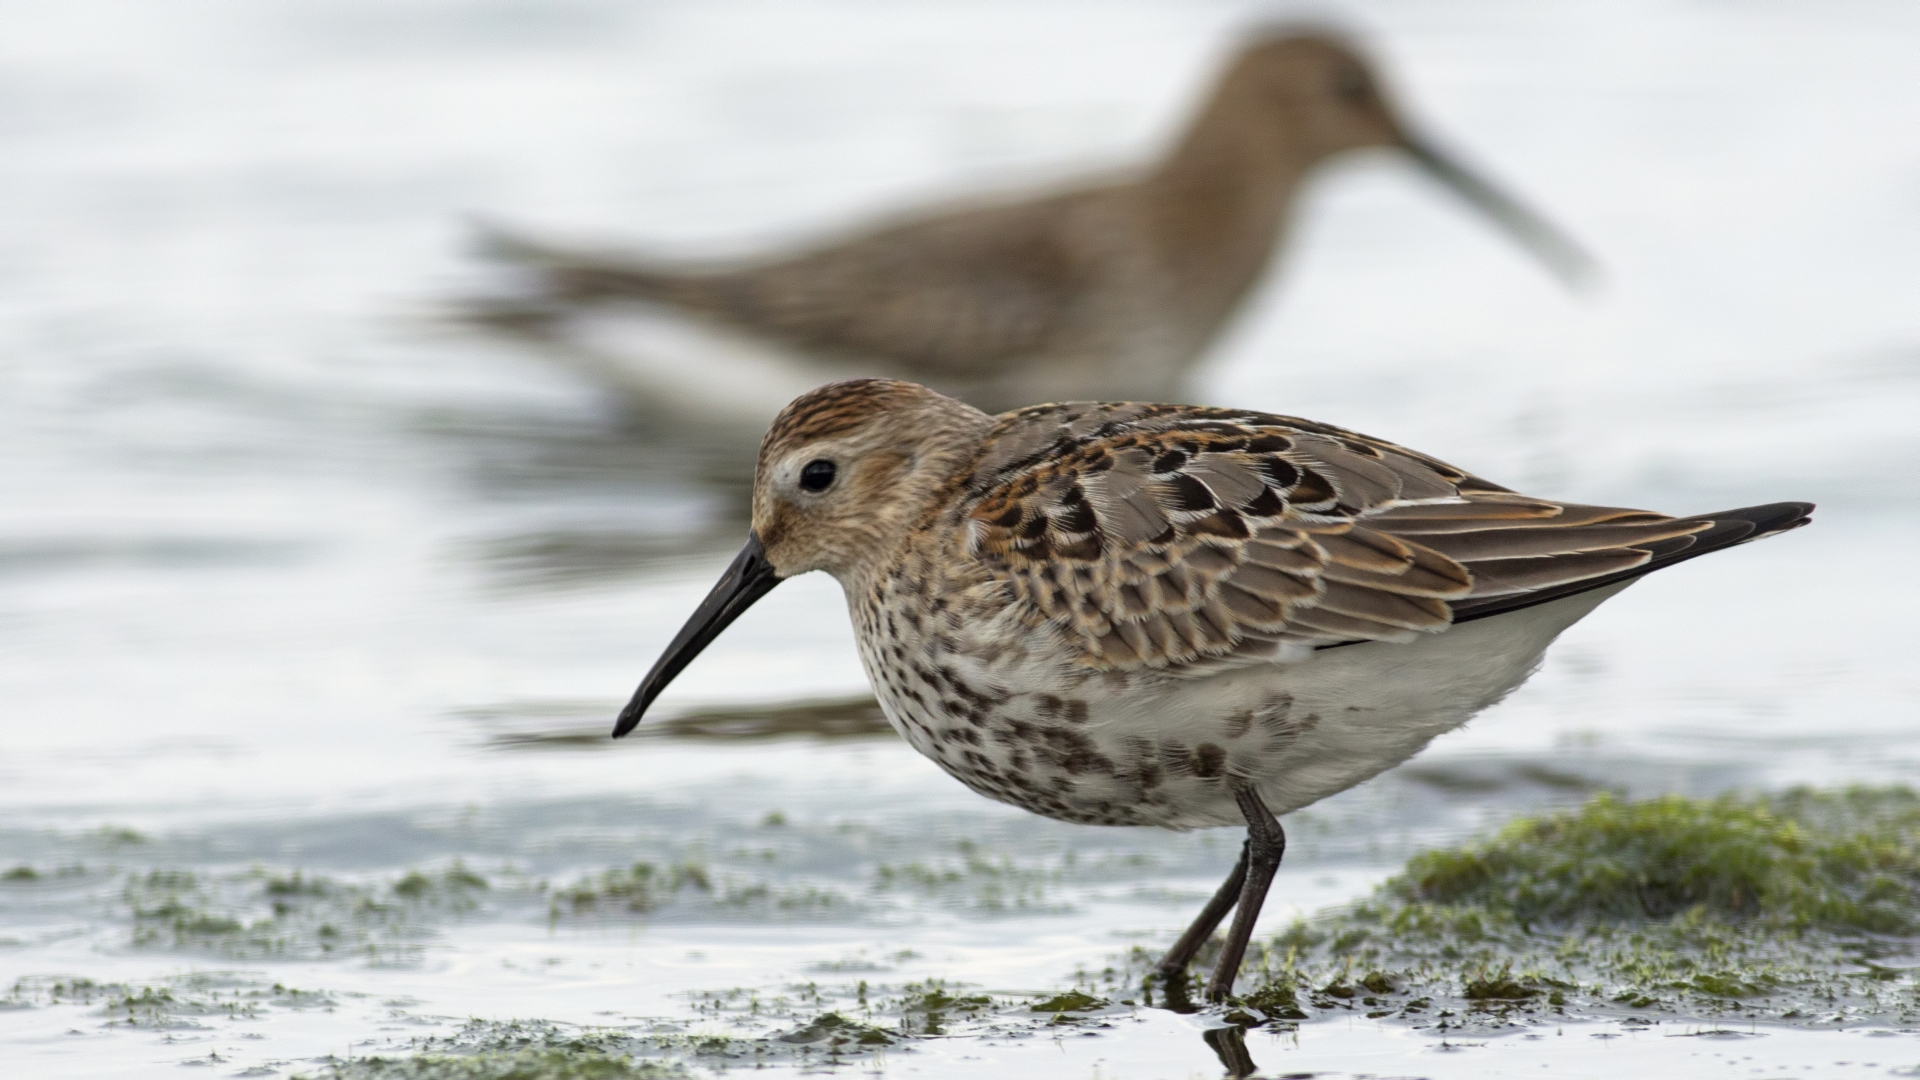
(749,578)
(1567,259)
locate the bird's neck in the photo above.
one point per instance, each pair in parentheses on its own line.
(1217,204)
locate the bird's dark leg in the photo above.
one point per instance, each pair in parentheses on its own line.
(1266,843)
(1173,966)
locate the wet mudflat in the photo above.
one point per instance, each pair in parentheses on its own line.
(314,614)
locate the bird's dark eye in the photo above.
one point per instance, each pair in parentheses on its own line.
(1350,85)
(817,475)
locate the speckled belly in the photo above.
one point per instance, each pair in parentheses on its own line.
(1091,759)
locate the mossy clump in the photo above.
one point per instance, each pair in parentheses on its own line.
(835,1031)
(261,914)
(116,836)
(1498,986)
(1070,1001)
(295,884)
(647,888)
(1732,858)
(642,887)
(1277,1000)
(451,882)
(1758,907)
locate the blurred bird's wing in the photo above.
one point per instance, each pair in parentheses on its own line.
(1186,539)
(964,294)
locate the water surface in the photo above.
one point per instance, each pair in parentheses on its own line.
(294,580)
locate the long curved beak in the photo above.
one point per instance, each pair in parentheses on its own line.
(749,578)
(1567,259)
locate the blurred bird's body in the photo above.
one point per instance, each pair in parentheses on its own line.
(1112,290)
(1128,614)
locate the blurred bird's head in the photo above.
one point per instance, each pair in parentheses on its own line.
(1293,98)
(1316,89)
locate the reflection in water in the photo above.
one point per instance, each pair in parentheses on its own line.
(1227,1039)
(568,557)
(1480,776)
(587,504)
(560,724)
(92,553)
(619,454)
(1230,1042)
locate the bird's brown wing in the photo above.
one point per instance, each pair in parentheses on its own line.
(1182,538)
(963,294)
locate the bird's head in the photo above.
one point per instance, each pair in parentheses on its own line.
(1317,87)
(846,473)
(847,470)
(1301,97)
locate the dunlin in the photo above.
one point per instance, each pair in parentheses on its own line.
(1113,289)
(1129,614)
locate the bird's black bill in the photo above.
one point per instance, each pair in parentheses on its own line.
(749,578)
(1562,255)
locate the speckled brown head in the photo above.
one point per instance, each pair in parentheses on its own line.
(845,473)
(847,469)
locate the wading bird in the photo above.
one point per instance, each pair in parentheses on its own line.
(1112,289)
(1130,614)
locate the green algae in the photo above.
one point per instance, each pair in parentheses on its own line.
(502,1065)
(974,882)
(1730,858)
(1276,1000)
(257,915)
(642,887)
(773,1029)
(809,1025)
(1801,907)
(1070,1001)
(115,836)
(810,1022)
(647,888)
(453,881)
(176,1002)
(772,872)
(837,1032)
(977,882)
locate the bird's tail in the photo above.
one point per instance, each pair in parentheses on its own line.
(564,272)
(549,281)
(1725,529)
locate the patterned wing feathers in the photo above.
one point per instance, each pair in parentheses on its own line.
(1421,571)
(1184,538)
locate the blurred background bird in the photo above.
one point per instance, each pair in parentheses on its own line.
(1112,289)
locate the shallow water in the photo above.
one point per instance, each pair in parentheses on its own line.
(292,579)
